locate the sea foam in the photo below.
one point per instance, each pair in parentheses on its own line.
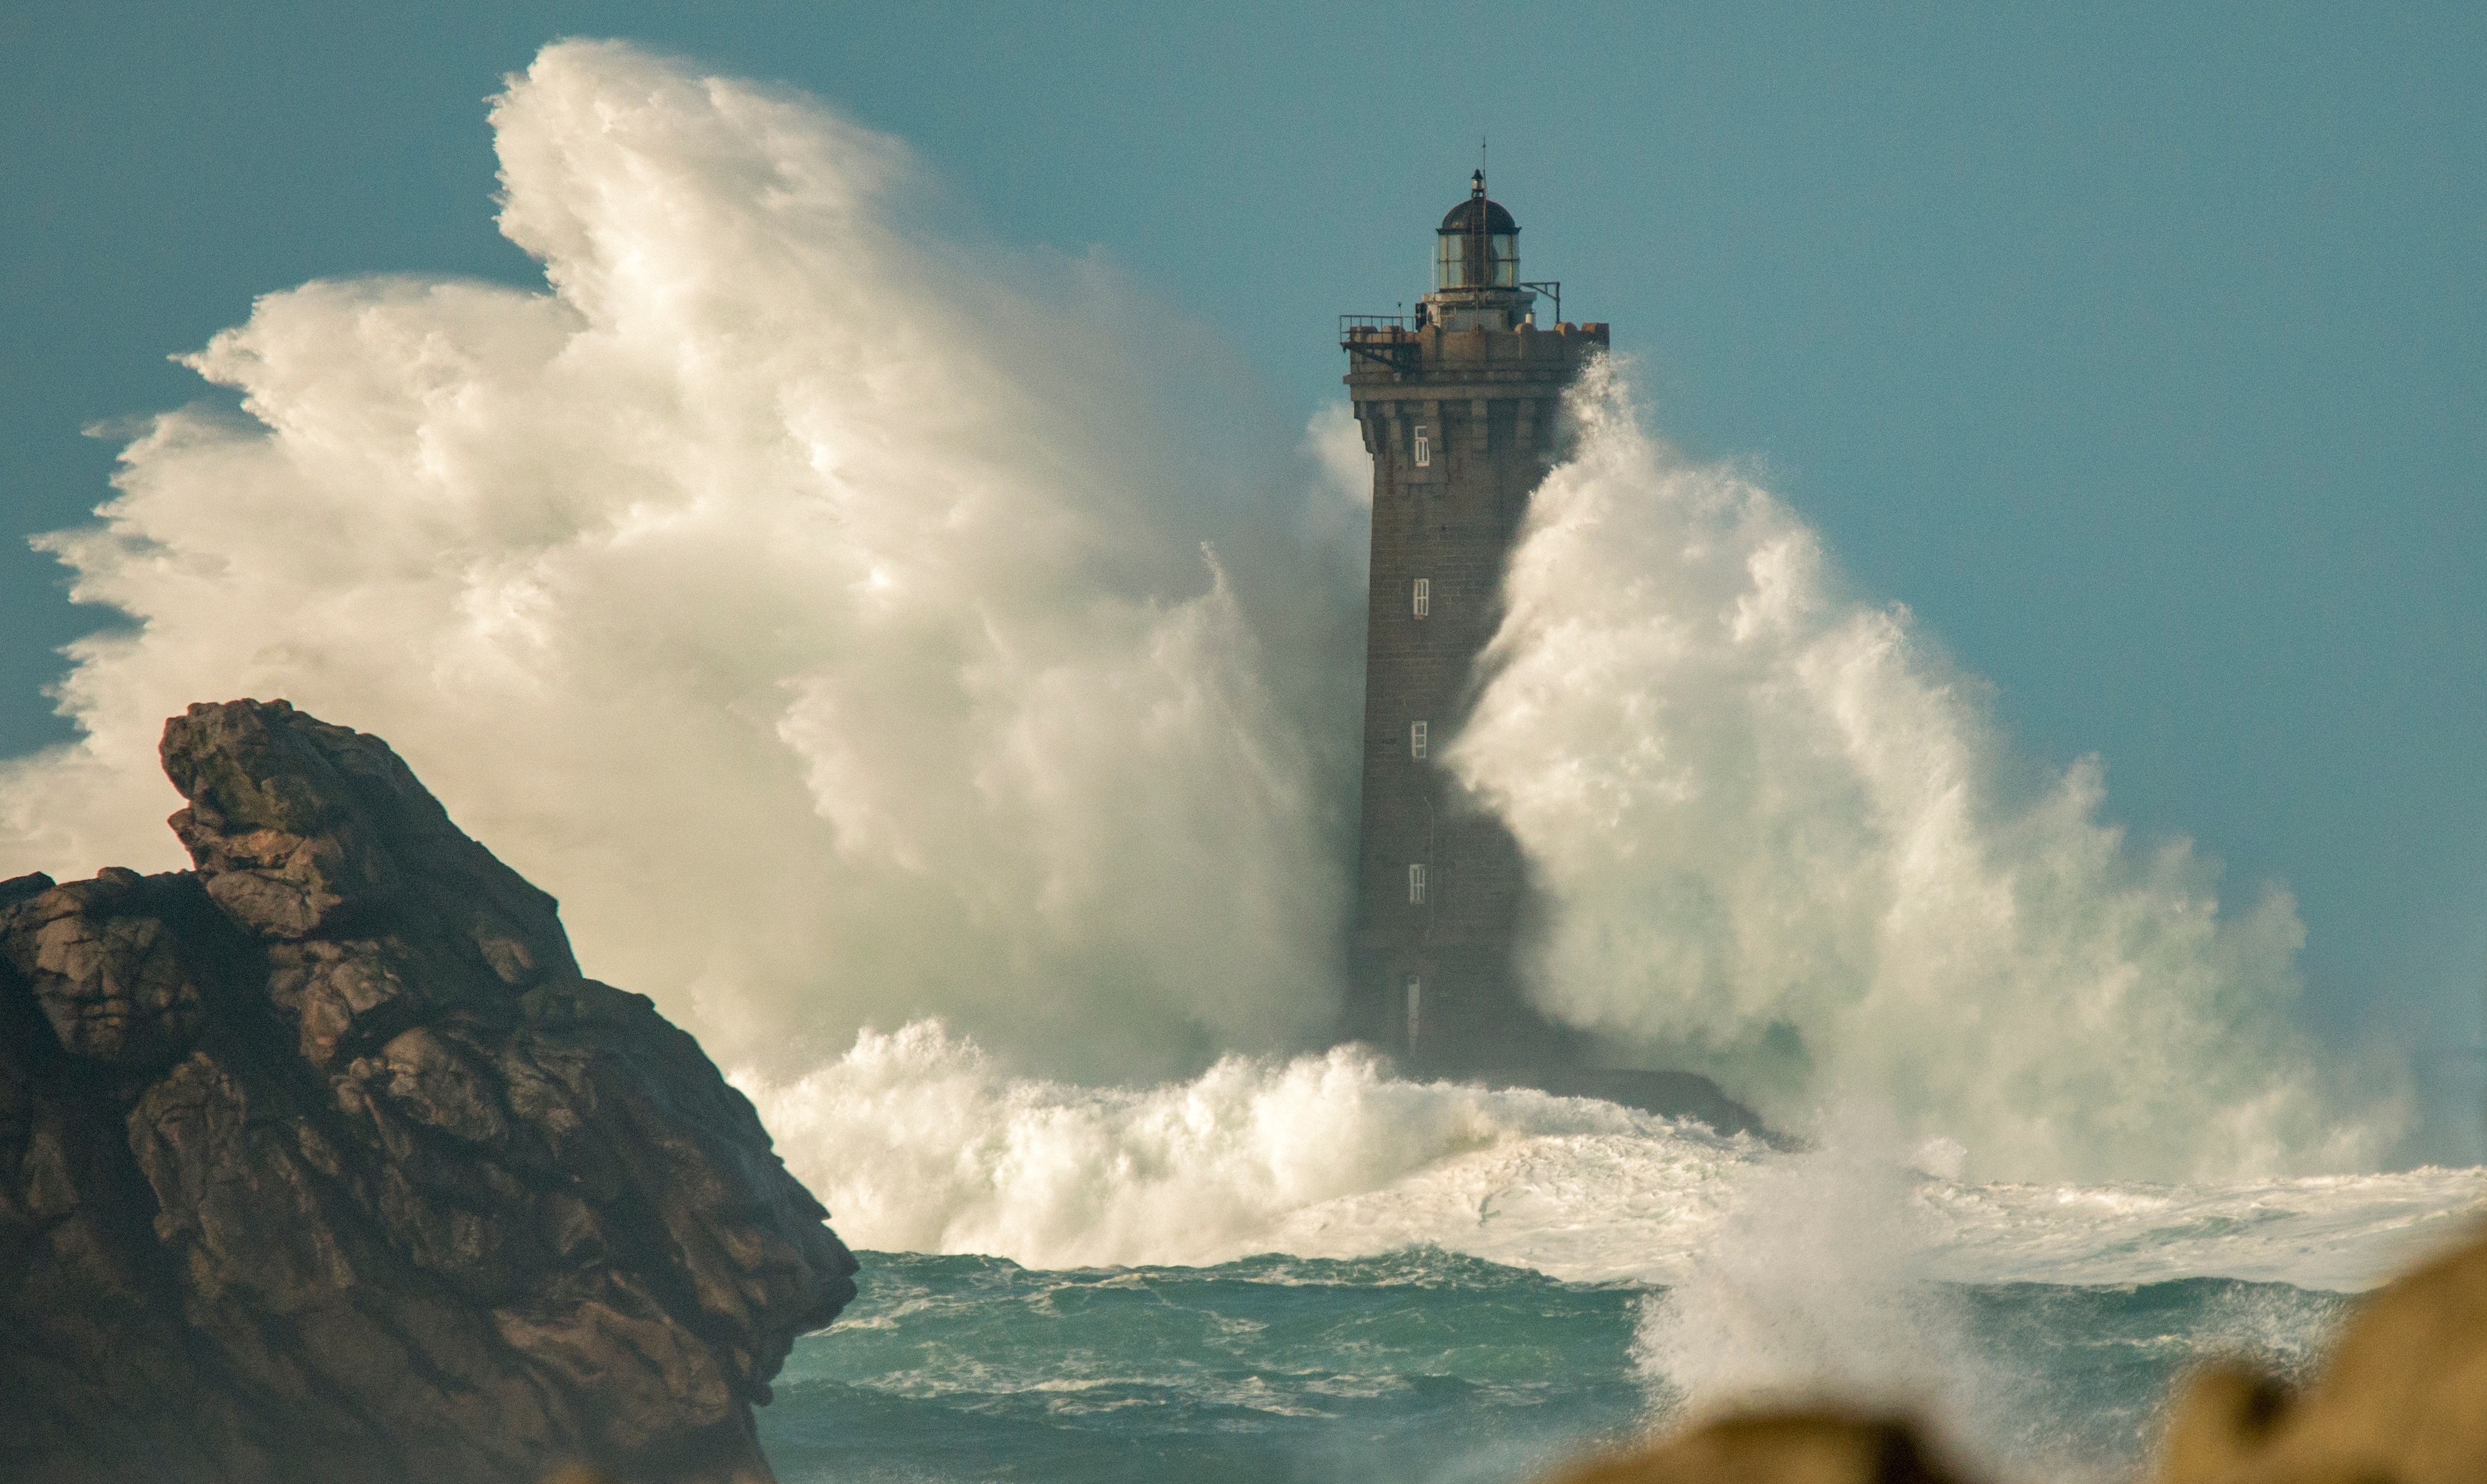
(1785,842)
(919,1141)
(851,626)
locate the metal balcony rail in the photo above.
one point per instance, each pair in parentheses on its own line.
(1384,339)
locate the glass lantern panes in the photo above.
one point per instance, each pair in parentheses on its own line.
(1453,270)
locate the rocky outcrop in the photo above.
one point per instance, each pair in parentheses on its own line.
(324,1161)
(2402,1400)
(1791,1447)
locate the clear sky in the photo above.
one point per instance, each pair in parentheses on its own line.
(2137,350)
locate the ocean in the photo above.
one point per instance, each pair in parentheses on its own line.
(859,628)
(1313,1270)
(1414,1366)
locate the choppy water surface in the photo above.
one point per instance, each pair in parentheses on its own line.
(1416,1365)
(1314,1271)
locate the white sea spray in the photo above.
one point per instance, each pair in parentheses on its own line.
(852,627)
(1785,844)
(818,607)
(918,1141)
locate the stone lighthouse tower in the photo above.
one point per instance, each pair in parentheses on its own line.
(1458,407)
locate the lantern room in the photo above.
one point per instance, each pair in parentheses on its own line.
(1478,246)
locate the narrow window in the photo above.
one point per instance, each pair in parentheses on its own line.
(1415,739)
(1416,883)
(1415,999)
(1424,448)
(1424,597)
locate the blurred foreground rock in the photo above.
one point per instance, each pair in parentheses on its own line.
(2403,1400)
(324,1162)
(1793,1447)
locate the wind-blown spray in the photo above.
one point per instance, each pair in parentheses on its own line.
(813,604)
(928,688)
(1784,843)
(852,627)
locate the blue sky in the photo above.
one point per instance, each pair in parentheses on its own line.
(2138,350)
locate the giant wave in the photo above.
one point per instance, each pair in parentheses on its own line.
(853,627)
(858,630)
(920,1142)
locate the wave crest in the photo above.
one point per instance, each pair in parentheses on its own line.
(1785,845)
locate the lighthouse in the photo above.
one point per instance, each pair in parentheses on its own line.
(1459,409)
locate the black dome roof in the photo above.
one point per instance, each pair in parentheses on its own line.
(1463,217)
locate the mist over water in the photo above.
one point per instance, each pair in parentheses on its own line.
(847,624)
(919,1140)
(1785,845)
(1307,1268)
(858,628)
(918,667)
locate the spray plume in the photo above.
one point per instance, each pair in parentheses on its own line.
(1785,845)
(804,600)
(824,611)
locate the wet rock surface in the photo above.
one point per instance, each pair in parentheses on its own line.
(324,1161)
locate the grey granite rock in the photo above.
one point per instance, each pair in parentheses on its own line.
(325,1162)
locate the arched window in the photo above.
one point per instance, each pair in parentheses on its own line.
(1424,448)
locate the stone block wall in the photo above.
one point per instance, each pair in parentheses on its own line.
(1487,406)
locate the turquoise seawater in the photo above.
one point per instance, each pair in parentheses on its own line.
(1419,1365)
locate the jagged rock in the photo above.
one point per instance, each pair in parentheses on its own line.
(324,1161)
(2402,1400)
(101,958)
